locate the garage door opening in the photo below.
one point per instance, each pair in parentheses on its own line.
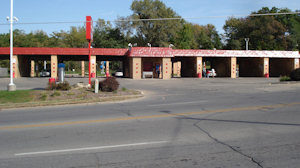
(281,66)
(188,66)
(222,66)
(251,67)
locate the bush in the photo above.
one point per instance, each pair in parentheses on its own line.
(63,86)
(60,86)
(295,75)
(110,84)
(284,78)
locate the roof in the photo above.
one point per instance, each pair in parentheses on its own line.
(64,51)
(236,53)
(150,52)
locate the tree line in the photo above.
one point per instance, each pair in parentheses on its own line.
(276,32)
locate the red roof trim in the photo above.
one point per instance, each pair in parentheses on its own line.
(64,51)
(150,52)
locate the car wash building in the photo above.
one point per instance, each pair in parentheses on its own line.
(159,62)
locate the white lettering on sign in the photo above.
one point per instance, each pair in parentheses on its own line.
(296,61)
(93,61)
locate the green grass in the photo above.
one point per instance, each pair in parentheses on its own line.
(284,78)
(56,93)
(44,97)
(71,72)
(19,96)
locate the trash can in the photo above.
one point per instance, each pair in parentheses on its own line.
(267,75)
(199,75)
(61,72)
(51,80)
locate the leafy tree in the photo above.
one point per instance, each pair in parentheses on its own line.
(75,38)
(157,33)
(279,32)
(4,40)
(207,37)
(105,36)
(185,37)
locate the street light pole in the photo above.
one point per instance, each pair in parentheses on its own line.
(247,40)
(11,85)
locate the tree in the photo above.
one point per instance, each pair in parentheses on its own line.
(75,38)
(159,33)
(207,37)
(279,32)
(185,37)
(105,36)
(4,40)
(232,30)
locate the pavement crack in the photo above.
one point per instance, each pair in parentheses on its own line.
(229,146)
(97,160)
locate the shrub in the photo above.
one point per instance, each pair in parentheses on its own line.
(60,86)
(63,86)
(284,78)
(110,84)
(295,75)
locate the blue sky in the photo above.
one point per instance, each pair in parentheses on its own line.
(76,10)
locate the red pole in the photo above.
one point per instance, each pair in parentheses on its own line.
(89,37)
(90,62)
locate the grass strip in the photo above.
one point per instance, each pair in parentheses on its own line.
(69,101)
(19,96)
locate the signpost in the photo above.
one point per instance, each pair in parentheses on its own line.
(89,38)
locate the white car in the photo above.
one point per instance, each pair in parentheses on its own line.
(119,74)
(44,73)
(211,73)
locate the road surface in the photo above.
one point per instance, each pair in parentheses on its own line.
(217,123)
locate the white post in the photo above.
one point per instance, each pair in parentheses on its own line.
(11,86)
(96,85)
(45,65)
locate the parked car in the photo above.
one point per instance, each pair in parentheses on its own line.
(211,73)
(45,73)
(118,74)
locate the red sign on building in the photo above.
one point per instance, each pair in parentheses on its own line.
(89,28)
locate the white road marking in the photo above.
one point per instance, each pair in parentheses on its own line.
(179,103)
(90,148)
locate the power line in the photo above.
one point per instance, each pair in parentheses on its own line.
(201,17)
(156,19)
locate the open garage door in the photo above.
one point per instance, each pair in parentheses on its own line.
(222,66)
(281,66)
(251,67)
(188,66)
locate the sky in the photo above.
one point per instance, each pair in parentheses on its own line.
(33,11)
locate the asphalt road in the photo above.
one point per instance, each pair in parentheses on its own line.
(217,123)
